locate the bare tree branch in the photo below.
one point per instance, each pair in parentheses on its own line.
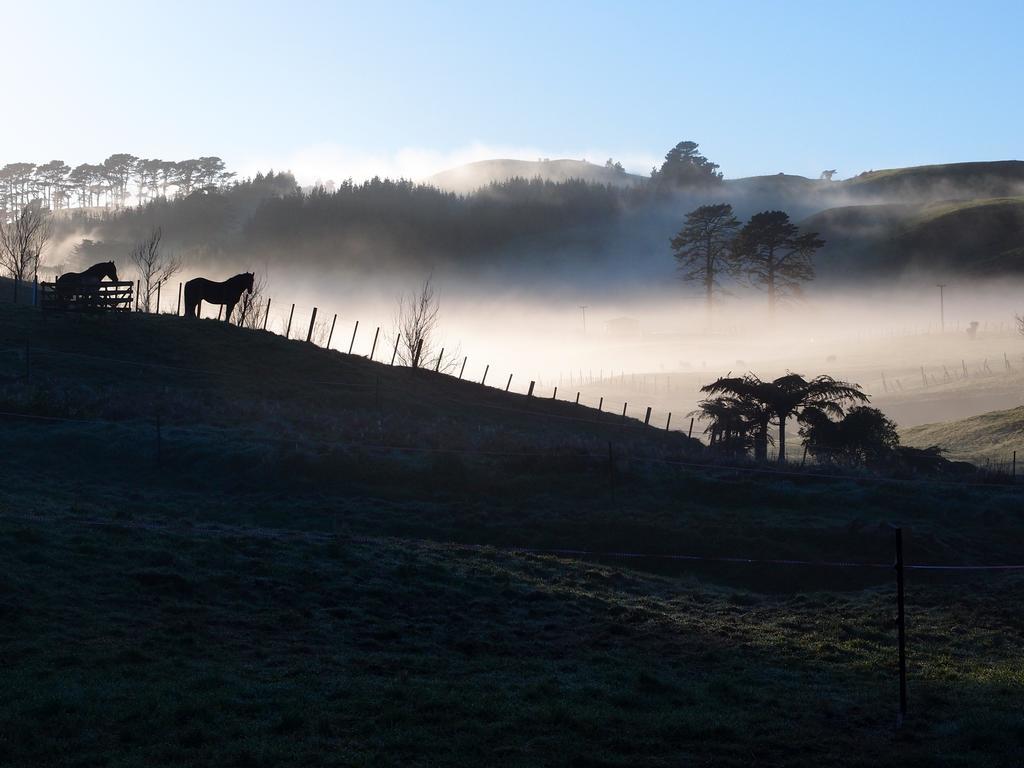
(153,264)
(22,240)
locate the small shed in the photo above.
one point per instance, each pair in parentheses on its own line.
(623,326)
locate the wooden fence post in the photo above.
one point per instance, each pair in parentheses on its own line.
(554,395)
(600,404)
(312,324)
(138,287)
(647,418)
(530,392)
(668,420)
(158,298)
(395,352)
(416,354)
(177,312)
(331,334)
(901,626)
(374,347)
(624,412)
(288,330)
(266,315)
(463,369)
(508,383)
(437,366)
(484,379)
(577,398)
(690,433)
(353,341)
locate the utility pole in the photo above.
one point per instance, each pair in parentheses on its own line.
(942,308)
(583,309)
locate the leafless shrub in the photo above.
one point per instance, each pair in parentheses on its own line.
(416,328)
(154,266)
(22,240)
(250,311)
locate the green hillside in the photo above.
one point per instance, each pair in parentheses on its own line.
(968,237)
(931,183)
(989,438)
(220,547)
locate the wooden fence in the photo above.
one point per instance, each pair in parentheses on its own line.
(102,297)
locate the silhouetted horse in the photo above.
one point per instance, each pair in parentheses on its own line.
(73,283)
(227,293)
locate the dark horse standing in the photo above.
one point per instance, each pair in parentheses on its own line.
(200,289)
(72,284)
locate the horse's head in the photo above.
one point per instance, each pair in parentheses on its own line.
(247,280)
(110,271)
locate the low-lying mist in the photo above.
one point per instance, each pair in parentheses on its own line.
(655,347)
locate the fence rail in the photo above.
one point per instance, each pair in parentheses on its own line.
(101,297)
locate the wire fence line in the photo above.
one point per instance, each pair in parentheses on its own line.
(554,551)
(710,468)
(619,421)
(614,421)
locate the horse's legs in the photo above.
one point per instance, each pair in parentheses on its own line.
(227,314)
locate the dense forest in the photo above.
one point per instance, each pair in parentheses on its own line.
(875,223)
(113,183)
(271,218)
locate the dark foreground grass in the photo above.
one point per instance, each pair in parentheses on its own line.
(141,642)
(241,599)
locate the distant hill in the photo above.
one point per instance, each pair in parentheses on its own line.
(470,177)
(991,437)
(932,183)
(974,236)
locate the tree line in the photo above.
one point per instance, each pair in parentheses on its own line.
(108,184)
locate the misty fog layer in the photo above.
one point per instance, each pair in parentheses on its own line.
(572,284)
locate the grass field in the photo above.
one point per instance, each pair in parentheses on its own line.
(269,587)
(992,437)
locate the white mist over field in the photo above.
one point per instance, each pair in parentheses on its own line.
(654,348)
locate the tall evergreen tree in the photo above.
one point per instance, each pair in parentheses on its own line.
(776,257)
(703,248)
(684,167)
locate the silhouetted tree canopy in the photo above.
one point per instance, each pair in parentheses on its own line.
(685,167)
(703,247)
(777,258)
(863,437)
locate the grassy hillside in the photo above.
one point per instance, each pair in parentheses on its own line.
(965,237)
(932,183)
(991,437)
(309,568)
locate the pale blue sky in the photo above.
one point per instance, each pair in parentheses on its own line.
(337,89)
